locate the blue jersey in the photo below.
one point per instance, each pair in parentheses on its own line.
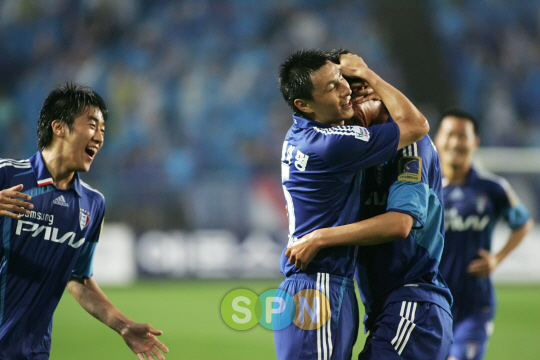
(40,252)
(471,212)
(321,169)
(407,269)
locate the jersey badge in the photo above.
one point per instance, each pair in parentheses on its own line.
(481,204)
(410,168)
(361,133)
(84,218)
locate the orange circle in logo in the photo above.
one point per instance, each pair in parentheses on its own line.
(312,309)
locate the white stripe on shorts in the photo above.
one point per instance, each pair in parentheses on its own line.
(324,332)
(404,332)
(319,355)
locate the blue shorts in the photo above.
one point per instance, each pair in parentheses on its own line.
(336,337)
(409,330)
(471,335)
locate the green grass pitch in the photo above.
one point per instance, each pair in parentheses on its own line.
(188,312)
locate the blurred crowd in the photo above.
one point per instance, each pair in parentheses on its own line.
(196,120)
(492,57)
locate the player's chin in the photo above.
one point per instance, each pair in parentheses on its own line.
(347,112)
(84,167)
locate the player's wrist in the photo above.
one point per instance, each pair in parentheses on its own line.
(122,327)
(320,239)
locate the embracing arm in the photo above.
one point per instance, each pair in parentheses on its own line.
(387,227)
(141,338)
(413,126)
(487,262)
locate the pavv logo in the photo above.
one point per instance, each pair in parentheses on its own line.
(275,309)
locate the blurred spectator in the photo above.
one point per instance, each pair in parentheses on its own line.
(196,121)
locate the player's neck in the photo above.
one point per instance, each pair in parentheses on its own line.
(456,174)
(54,162)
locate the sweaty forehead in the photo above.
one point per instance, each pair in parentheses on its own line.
(325,74)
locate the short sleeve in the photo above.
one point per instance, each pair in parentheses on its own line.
(513,211)
(411,198)
(410,192)
(355,147)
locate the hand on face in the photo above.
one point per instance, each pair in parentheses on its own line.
(352,66)
(366,104)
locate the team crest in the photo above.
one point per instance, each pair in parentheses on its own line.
(410,168)
(481,204)
(84,219)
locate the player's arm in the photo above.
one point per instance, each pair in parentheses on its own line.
(141,338)
(13,202)
(387,227)
(412,124)
(487,262)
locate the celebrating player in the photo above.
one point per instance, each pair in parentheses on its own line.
(321,164)
(474,202)
(406,302)
(51,222)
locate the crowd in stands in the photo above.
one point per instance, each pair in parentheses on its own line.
(196,120)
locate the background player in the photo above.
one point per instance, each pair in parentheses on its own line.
(321,173)
(407,304)
(474,202)
(51,222)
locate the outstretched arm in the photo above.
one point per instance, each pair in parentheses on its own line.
(141,338)
(379,229)
(13,202)
(413,126)
(488,262)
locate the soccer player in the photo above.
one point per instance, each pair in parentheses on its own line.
(50,223)
(474,201)
(322,163)
(406,300)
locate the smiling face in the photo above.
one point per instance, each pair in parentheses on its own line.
(456,141)
(78,146)
(331,103)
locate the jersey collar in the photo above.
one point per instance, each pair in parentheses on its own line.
(44,177)
(304,123)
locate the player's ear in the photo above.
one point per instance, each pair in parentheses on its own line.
(58,128)
(477,141)
(303,106)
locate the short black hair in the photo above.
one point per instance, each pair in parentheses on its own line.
(294,79)
(66,103)
(461,114)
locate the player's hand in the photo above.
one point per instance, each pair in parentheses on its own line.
(367,105)
(141,338)
(304,250)
(352,66)
(13,202)
(483,266)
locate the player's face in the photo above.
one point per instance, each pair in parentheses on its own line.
(83,142)
(456,141)
(331,102)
